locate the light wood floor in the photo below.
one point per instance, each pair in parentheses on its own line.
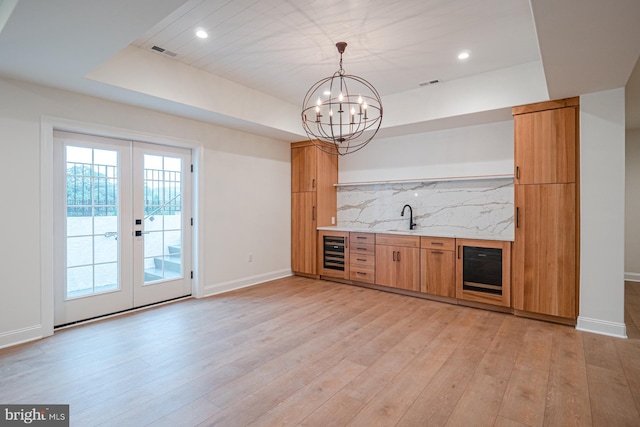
(302,352)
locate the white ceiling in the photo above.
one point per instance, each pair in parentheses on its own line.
(281,47)
(265,49)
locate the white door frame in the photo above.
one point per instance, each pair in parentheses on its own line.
(47,126)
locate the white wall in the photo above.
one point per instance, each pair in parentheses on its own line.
(246,196)
(602,183)
(474,150)
(632,206)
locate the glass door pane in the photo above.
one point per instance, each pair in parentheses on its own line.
(92,218)
(163,255)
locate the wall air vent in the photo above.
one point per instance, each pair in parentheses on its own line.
(163,50)
(430,82)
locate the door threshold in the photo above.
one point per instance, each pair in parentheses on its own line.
(119,313)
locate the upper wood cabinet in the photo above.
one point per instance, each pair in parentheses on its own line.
(545,142)
(398,261)
(313,202)
(544,257)
(304,168)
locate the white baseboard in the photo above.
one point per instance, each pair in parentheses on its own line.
(245,282)
(602,327)
(632,277)
(20,336)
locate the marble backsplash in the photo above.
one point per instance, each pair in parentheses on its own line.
(471,208)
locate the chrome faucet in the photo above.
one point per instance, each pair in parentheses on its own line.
(411,223)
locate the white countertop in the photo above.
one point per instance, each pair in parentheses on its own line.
(421,232)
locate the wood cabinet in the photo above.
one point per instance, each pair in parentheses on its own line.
(304,168)
(438,266)
(398,261)
(333,254)
(544,257)
(545,142)
(313,202)
(303,232)
(545,252)
(362,257)
(483,271)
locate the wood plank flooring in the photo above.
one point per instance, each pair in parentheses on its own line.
(298,351)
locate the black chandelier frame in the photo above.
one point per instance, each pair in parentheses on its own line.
(344,121)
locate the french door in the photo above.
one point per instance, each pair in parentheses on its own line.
(122,225)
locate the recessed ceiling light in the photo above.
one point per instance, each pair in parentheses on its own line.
(463,55)
(202,34)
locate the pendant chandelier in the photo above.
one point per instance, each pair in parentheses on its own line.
(341,113)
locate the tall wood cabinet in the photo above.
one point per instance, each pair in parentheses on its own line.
(313,202)
(545,251)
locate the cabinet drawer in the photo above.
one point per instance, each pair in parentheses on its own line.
(362,274)
(363,260)
(440,243)
(362,248)
(367,238)
(398,240)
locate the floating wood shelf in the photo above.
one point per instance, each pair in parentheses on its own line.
(411,181)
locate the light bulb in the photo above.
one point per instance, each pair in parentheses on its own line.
(340,97)
(359,99)
(364,105)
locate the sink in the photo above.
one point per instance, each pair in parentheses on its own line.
(405,231)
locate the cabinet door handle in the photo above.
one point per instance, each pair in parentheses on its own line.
(517,217)
(313,213)
(437,252)
(313,183)
(361,259)
(459,246)
(394,256)
(398,257)
(437,243)
(361,237)
(517,172)
(346,243)
(361,249)
(360,272)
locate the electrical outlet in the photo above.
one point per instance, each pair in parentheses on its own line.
(333,220)
(250,257)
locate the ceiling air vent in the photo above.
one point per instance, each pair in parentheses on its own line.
(163,50)
(430,82)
